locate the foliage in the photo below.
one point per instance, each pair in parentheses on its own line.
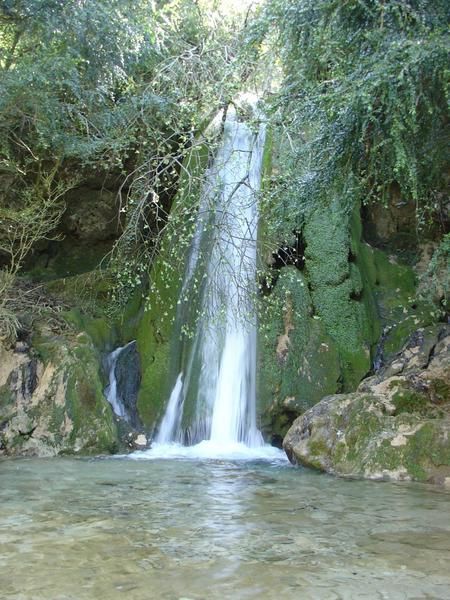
(434,284)
(206,66)
(364,99)
(108,86)
(122,87)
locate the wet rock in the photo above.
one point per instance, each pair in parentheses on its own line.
(138,441)
(128,377)
(394,224)
(395,426)
(51,400)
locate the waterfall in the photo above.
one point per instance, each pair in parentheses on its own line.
(111,390)
(123,368)
(171,422)
(214,395)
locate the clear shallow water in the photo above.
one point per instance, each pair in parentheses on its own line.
(215,529)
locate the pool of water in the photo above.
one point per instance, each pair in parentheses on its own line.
(200,528)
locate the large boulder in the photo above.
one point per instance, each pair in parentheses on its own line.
(395,426)
(51,399)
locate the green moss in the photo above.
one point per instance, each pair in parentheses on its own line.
(362,428)
(341,294)
(363,257)
(427,449)
(366,258)
(335,323)
(93,424)
(48,350)
(89,296)
(395,292)
(267,159)
(313,463)
(73,258)
(298,362)
(409,401)
(102,332)
(155,352)
(431,443)
(318,447)
(440,391)
(156,324)
(340,454)
(354,435)
(131,317)
(422,315)
(6,400)
(397,281)
(55,425)
(422,451)
(89,290)
(326,234)
(266,245)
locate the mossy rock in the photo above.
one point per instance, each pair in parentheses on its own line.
(156,327)
(354,435)
(68,258)
(298,363)
(334,308)
(341,293)
(94,429)
(54,402)
(395,286)
(396,426)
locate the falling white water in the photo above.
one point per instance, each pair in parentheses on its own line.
(111,390)
(170,424)
(224,347)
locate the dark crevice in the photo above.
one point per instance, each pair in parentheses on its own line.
(286,255)
(340,384)
(351,256)
(356,295)
(430,355)
(29,433)
(268,281)
(378,360)
(276,440)
(290,254)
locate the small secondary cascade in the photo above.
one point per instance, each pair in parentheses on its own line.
(214,395)
(111,392)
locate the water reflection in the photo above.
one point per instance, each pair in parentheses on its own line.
(90,529)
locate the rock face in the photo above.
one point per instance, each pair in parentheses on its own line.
(321,323)
(51,400)
(323,317)
(93,215)
(85,235)
(395,426)
(156,328)
(339,294)
(128,376)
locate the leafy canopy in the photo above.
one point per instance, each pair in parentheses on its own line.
(364,98)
